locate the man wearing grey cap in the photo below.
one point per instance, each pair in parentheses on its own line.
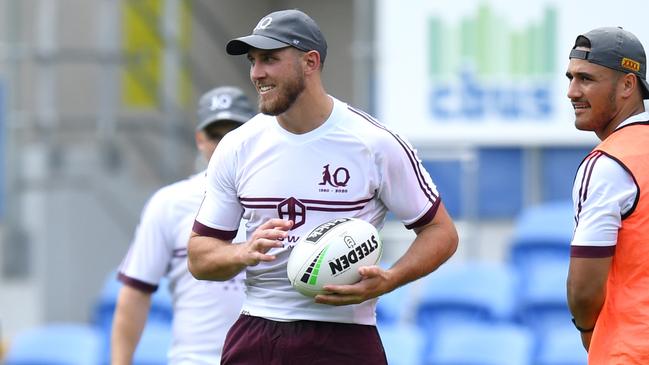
(608,279)
(307,159)
(203,311)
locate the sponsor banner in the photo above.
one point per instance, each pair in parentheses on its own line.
(488,72)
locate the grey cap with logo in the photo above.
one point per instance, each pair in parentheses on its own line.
(617,49)
(282,29)
(225,103)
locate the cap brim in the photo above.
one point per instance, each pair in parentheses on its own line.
(241,45)
(222,117)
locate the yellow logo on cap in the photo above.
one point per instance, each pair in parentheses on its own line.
(630,64)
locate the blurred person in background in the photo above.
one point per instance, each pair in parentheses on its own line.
(307,159)
(203,310)
(608,279)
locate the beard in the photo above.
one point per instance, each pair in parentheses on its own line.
(285,98)
(598,119)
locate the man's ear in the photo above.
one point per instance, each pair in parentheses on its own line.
(312,61)
(629,84)
(200,139)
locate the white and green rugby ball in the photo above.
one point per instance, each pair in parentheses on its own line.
(331,253)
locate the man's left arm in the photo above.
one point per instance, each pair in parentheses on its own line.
(600,201)
(587,291)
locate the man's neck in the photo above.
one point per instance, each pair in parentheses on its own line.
(625,113)
(310,111)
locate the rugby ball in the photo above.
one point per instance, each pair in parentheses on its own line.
(331,253)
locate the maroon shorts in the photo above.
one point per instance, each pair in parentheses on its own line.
(258,341)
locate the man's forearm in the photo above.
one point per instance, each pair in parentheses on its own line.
(128,323)
(586,289)
(433,245)
(212,259)
(585,308)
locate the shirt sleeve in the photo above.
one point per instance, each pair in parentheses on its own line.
(220,213)
(152,247)
(406,188)
(602,193)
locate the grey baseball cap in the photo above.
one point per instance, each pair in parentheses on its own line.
(223,103)
(617,49)
(282,29)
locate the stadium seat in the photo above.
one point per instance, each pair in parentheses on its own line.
(540,254)
(541,233)
(104,307)
(542,300)
(497,171)
(558,168)
(161,312)
(465,292)
(561,345)
(481,344)
(154,345)
(468,291)
(396,306)
(448,179)
(403,343)
(500,175)
(56,343)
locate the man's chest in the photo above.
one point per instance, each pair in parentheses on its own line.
(307,183)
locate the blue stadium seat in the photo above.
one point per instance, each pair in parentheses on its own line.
(56,343)
(464,293)
(403,343)
(558,170)
(542,232)
(540,253)
(104,307)
(394,307)
(481,344)
(469,291)
(499,174)
(161,312)
(447,175)
(154,345)
(561,345)
(500,182)
(542,301)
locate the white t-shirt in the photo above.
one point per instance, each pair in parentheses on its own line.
(203,310)
(603,192)
(350,166)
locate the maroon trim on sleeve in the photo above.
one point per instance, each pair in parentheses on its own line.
(589,162)
(427,217)
(592,252)
(136,284)
(204,230)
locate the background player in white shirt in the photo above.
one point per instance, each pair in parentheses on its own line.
(307,159)
(203,310)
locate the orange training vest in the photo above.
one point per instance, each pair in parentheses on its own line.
(621,334)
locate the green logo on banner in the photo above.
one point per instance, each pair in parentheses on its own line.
(484,67)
